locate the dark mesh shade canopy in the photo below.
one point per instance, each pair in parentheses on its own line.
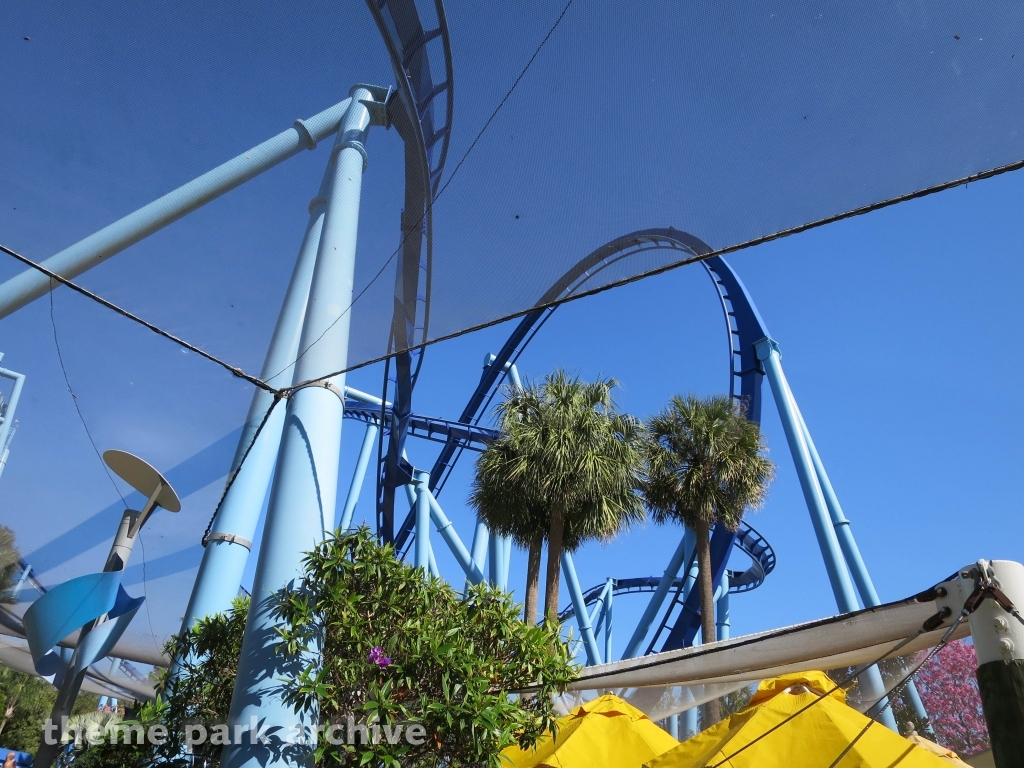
(730,121)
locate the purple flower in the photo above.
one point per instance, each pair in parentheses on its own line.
(377,657)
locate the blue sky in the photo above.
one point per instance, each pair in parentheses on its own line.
(896,327)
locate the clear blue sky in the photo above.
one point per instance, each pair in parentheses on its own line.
(896,327)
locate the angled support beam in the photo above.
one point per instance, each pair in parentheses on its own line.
(114,238)
(839,576)
(682,554)
(580,606)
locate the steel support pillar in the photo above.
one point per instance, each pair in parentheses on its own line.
(608,622)
(362,462)
(851,552)
(114,238)
(580,607)
(682,554)
(722,621)
(839,576)
(233,529)
(304,493)
(422,543)
(7,420)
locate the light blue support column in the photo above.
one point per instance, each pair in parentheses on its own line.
(722,609)
(494,551)
(422,543)
(683,553)
(451,538)
(580,607)
(690,727)
(673,726)
(304,492)
(506,561)
(608,622)
(234,527)
(842,585)
(481,537)
(432,564)
(362,462)
(114,238)
(102,703)
(854,560)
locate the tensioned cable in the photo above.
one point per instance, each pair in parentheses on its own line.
(235,371)
(96,450)
(448,181)
(859,671)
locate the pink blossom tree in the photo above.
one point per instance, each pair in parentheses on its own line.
(949,690)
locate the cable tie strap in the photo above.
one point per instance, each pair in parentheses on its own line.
(230,538)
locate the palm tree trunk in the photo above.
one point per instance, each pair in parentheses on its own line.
(712,712)
(552,584)
(532,581)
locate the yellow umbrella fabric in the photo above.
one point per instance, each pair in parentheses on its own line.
(603,733)
(814,738)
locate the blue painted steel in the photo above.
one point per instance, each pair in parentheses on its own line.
(689,718)
(688,623)
(304,491)
(449,534)
(582,616)
(226,554)
(722,619)
(608,605)
(839,576)
(840,523)
(673,726)
(359,475)
(748,540)
(426,147)
(854,560)
(683,553)
(114,238)
(493,560)
(422,520)
(10,407)
(481,536)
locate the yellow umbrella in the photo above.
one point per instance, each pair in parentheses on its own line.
(813,738)
(603,733)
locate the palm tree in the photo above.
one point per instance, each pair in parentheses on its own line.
(566,469)
(705,465)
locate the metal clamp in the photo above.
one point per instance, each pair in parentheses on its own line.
(231,538)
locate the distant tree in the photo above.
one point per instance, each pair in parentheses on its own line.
(9,563)
(949,690)
(25,701)
(566,469)
(705,466)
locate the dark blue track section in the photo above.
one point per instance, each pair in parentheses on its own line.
(744,326)
(748,540)
(466,436)
(422,115)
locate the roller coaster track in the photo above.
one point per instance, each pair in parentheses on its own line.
(748,540)
(414,114)
(744,327)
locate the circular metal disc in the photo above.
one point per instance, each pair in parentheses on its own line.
(142,477)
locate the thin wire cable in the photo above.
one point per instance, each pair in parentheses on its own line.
(849,678)
(235,371)
(231,480)
(96,450)
(451,177)
(78,409)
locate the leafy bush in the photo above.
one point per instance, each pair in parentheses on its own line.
(397,647)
